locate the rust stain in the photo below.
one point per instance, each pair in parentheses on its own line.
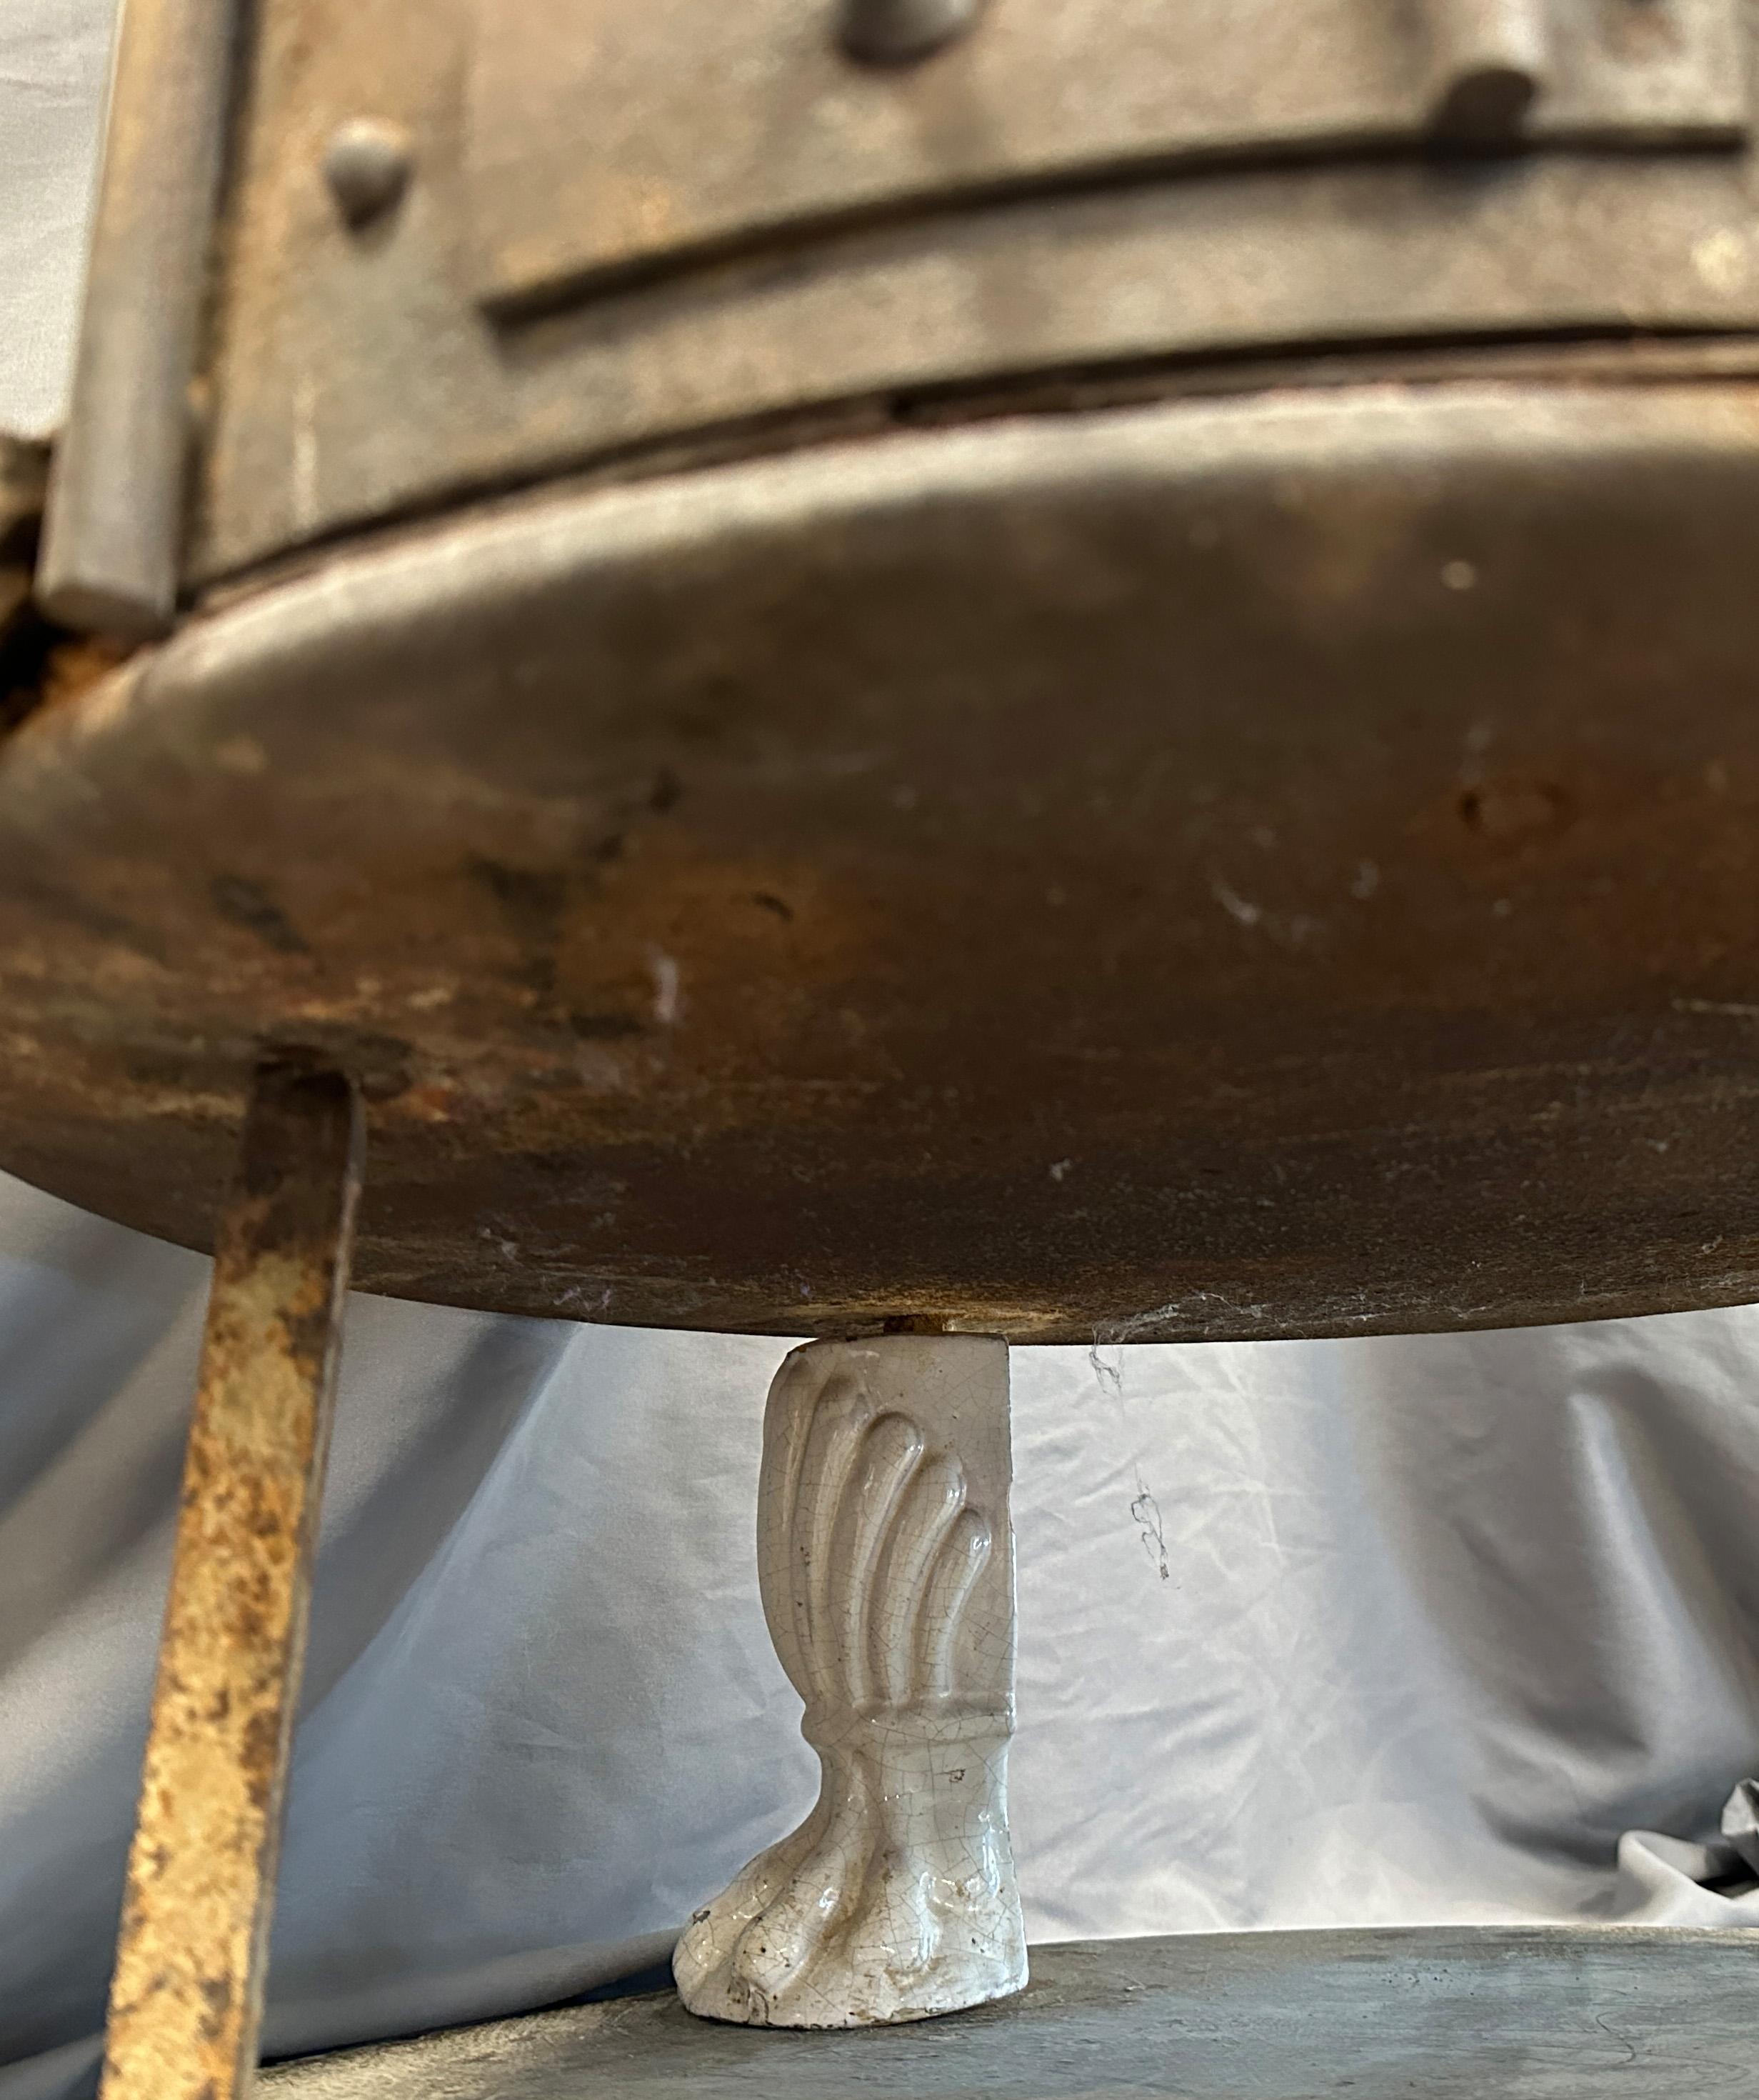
(75,663)
(186,1996)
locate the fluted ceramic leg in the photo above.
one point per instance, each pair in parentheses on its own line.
(886,1558)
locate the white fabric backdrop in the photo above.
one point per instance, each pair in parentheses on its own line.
(1358,1631)
(55,59)
(1310,1633)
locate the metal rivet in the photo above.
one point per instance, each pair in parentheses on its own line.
(892,32)
(367,166)
(1492,66)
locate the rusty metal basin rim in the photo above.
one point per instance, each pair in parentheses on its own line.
(1268,867)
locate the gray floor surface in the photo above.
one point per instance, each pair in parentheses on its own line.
(1493,2013)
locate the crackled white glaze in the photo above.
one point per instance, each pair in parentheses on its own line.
(886,1559)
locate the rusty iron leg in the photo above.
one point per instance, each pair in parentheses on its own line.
(186,2001)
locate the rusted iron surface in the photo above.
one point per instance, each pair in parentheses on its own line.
(186,1999)
(354,376)
(1267,867)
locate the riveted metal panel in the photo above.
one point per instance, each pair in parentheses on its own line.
(630,133)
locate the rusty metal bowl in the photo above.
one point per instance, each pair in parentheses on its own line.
(1267,866)
(1057,667)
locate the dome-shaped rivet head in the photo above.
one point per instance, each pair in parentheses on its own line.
(893,32)
(1491,58)
(367,166)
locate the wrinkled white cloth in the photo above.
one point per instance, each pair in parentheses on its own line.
(1366,1631)
(1662,1881)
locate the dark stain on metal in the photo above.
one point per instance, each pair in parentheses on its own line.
(248,904)
(604,1027)
(534,897)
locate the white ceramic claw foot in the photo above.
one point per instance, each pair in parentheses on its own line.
(886,1563)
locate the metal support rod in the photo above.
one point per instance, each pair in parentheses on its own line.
(114,522)
(186,2000)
